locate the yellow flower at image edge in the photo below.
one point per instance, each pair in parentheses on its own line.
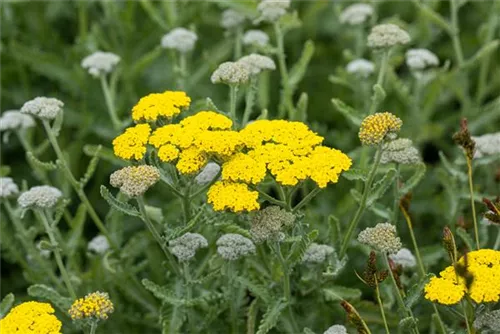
(95,305)
(167,104)
(132,143)
(232,196)
(31,317)
(375,128)
(483,265)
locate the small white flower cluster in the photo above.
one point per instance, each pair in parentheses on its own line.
(387,35)
(488,144)
(185,247)
(400,151)
(179,39)
(99,244)
(255,38)
(405,258)
(272,10)
(230,73)
(231,19)
(100,63)
(233,246)
(361,67)
(316,253)
(420,59)
(256,63)
(40,197)
(268,223)
(207,174)
(356,14)
(336,329)
(14,120)
(134,181)
(7,187)
(382,237)
(43,107)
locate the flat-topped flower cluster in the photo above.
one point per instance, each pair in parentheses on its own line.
(288,152)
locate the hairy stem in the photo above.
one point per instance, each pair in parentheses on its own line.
(382,312)
(286,104)
(473,205)
(362,205)
(110,103)
(46,219)
(249,100)
(233,92)
(414,241)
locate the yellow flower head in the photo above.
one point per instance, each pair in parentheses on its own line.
(132,143)
(31,317)
(450,288)
(191,160)
(326,164)
(95,305)
(243,167)
(207,120)
(220,143)
(235,197)
(167,104)
(376,127)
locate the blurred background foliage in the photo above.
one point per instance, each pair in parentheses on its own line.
(43,43)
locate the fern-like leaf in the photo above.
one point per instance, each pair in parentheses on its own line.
(123,207)
(91,167)
(44,292)
(47,166)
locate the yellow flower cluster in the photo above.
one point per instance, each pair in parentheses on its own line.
(95,305)
(132,143)
(375,128)
(195,139)
(167,104)
(450,288)
(31,317)
(232,196)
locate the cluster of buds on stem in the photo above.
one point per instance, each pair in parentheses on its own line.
(464,139)
(371,275)
(354,318)
(493,215)
(449,244)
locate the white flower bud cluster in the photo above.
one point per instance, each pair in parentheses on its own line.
(405,258)
(207,174)
(179,39)
(134,181)
(420,59)
(43,107)
(40,197)
(256,63)
(14,120)
(268,223)
(100,63)
(233,246)
(336,329)
(231,19)
(400,151)
(255,38)
(185,247)
(361,67)
(272,10)
(356,14)
(387,35)
(99,245)
(230,73)
(7,187)
(316,253)
(382,237)
(488,320)
(488,144)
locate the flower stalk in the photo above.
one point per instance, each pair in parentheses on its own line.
(110,102)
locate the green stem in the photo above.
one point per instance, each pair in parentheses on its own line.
(455,33)
(232,303)
(93,327)
(233,92)
(186,204)
(360,41)
(49,228)
(466,317)
(362,205)
(414,242)
(156,235)
(39,174)
(189,291)
(249,100)
(270,198)
(473,205)
(29,247)
(380,78)
(76,186)
(110,103)
(181,78)
(396,196)
(237,43)
(286,104)
(382,312)
(307,199)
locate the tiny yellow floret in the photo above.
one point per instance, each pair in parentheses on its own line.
(236,197)
(375,128)
(132,143)
(31,317)
(167,104)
